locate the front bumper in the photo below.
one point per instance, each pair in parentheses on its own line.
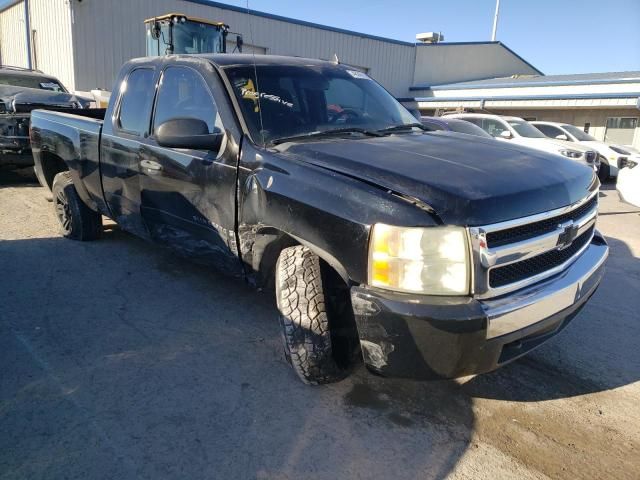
(429,337)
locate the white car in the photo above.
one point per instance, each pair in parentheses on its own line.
(629,152)
(609,158)
(628,183)
(521,132)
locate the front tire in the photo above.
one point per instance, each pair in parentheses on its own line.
(304,317)
(77,221)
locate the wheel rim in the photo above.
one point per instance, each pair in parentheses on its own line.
(63,212)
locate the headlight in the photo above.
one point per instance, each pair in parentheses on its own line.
(571,153)
(432,260)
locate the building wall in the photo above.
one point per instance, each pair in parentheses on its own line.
(106,34)
(442,64)
(52,46)
(13,42)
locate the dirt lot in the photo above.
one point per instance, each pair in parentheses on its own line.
(122,361)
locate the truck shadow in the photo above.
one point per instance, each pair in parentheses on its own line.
(24,177)
(145,365)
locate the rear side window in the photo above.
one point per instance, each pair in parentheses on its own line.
(549,130)
(136,101)
(183,93)
(491,126)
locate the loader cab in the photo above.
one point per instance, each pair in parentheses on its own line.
(175,33)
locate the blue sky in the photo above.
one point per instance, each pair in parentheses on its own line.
(556,36)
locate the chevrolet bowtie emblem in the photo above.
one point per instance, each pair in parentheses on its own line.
(568,235)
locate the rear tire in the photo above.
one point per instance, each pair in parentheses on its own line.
(604,173)
(77,221)
(304,317)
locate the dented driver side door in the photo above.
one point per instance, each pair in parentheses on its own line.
(188,196)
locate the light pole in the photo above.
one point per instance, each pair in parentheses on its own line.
(495,21)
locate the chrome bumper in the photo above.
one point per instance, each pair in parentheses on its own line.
(533,304)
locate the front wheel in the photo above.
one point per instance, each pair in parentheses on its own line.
(304,317)
(77,221)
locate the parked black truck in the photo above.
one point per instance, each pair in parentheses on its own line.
(433,255)
(21,91)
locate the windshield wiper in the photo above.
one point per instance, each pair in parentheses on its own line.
(398,128)
(328,133)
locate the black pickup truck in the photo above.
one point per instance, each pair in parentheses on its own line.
(21,91)
(427,254)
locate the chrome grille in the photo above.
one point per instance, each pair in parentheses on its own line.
(511,255)
(530,230)
(518,271)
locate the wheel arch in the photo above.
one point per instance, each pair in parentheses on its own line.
(50,165)
(270,241)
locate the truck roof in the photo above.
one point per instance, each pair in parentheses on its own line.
(240,59)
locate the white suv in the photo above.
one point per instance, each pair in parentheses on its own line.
(609,158)
(521,132)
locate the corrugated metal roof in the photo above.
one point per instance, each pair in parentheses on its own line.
(539,81)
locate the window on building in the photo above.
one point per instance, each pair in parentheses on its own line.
(136,101)
(620,130)
(183,93)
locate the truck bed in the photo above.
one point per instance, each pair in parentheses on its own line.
(74,138)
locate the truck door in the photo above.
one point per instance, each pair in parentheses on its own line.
(120,148)
(188,196)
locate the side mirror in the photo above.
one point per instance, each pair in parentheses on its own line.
(562,136)
(506,134)
(189,133)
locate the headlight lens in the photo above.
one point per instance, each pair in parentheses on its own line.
(432,261)
(571,153)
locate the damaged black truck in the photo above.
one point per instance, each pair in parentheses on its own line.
(426,254)
(21,91)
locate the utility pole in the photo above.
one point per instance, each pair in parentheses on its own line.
(495,21)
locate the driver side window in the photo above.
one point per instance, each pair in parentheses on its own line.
(183,93)
(493,127)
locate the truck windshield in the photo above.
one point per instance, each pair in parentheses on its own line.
(31,81)
(579,134)
(290,101)
(525,129)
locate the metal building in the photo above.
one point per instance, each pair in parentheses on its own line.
(84,43)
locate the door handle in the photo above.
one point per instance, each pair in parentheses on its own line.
(150,165)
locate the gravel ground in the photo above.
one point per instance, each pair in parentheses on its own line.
(121,361)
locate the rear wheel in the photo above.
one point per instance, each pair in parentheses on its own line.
(77,221)
(305,309)
(604,172)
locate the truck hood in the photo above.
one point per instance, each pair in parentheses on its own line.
(466,180)
(21,99)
